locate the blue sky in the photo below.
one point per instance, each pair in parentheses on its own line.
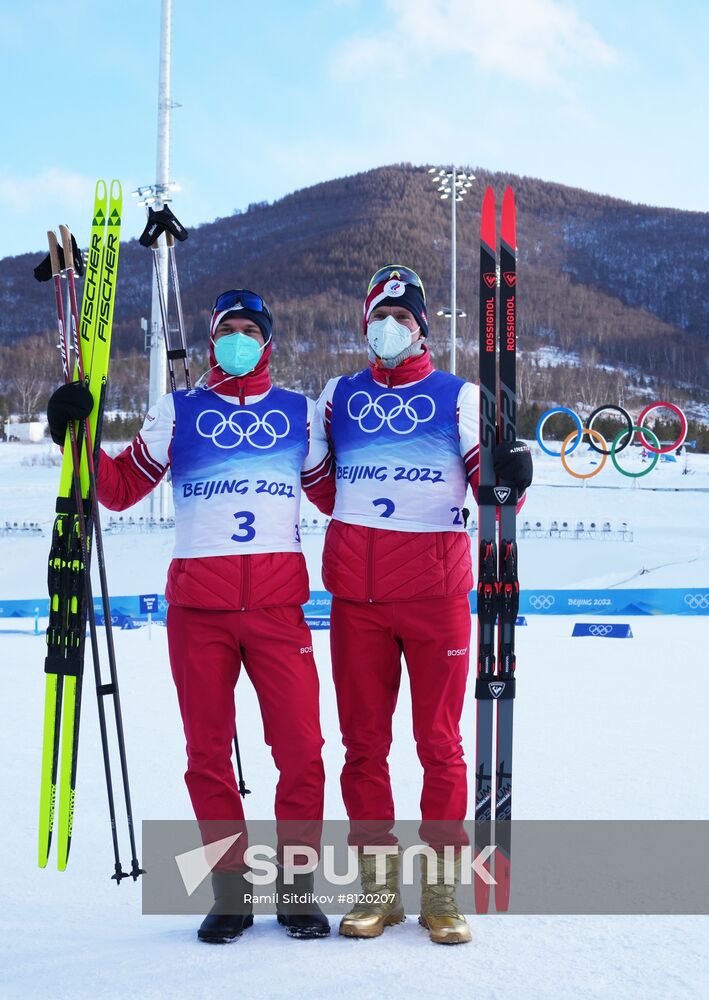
(278,95)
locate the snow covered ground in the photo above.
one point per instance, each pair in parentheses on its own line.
(599,734)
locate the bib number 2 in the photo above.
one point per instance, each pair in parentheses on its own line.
(246,532)
(387,506)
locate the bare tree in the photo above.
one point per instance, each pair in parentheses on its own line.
(31,371)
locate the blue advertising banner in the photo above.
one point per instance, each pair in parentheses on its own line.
(641,601)
(645,601)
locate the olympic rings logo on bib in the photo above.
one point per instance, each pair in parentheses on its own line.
(622,439)
(243,425)
(402,417)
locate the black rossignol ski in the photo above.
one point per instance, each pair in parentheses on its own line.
(507,550)
(487,546)
(498,588)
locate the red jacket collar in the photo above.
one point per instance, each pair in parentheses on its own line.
(411,370)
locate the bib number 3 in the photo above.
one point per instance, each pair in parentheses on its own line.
(246,532)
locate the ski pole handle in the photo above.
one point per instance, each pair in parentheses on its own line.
(54,253)
(67,248)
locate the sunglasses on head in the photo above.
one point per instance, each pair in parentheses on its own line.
(244,298)
(396,271)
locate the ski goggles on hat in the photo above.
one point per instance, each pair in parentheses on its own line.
(241,298)
(394,272)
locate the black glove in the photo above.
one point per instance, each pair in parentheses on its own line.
(71,401)
(513,464)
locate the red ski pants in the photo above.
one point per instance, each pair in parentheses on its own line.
(207,649)
(367,642)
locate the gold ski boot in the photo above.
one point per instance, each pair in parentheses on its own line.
(439,909)
(369,918)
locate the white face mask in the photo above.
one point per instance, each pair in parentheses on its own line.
(387,338)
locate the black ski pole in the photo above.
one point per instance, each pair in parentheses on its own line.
(243,790)
(178,303)
(159,223)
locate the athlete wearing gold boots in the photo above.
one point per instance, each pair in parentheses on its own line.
(440,913)
(368,919)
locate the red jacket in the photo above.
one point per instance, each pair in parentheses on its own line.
(378,564)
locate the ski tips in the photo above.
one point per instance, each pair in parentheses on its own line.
(508,229)
(102,196)
(487,223)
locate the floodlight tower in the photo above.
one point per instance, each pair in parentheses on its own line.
(157,195)
(453,184)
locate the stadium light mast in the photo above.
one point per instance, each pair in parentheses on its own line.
(157,195)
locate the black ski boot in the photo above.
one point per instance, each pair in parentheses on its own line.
(297,911)
(231,914)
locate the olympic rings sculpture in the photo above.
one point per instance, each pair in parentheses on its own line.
(274,425)
(382,416)
(621,441)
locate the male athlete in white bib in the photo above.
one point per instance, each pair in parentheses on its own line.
(397,560)
(239,451)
